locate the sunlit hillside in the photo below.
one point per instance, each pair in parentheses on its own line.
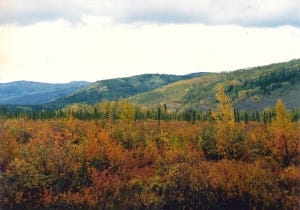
(250,89)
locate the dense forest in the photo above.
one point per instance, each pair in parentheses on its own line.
(116,155)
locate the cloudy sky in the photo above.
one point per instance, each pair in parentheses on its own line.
(61,41)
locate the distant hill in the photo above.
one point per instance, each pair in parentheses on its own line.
(114,89)
(250,89)
(29,93)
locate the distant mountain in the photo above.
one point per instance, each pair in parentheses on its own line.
(250,89)
(28,93)
(114,89)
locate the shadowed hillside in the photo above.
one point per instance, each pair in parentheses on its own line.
(25,92)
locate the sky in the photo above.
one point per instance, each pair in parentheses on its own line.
(60,41)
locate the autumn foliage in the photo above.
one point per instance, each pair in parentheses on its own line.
(100,164)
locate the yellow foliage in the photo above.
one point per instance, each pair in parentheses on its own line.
(224,119)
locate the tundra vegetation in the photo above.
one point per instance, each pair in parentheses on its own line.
(116,155)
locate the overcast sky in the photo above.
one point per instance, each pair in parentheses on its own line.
(66,40)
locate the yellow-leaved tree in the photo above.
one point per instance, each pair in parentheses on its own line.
(229,142)
(285,144)
(127,110)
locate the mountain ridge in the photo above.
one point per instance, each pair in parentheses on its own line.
(31,93)
(250,89)
(114,89)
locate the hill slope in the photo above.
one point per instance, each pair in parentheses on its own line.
(113,89)
(28,93)
(250,89)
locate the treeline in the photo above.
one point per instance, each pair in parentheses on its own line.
(120,110)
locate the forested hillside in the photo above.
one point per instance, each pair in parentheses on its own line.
(250,89)
(114,89)
(32,93)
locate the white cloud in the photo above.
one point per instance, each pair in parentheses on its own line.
(216,12)
(101,48)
